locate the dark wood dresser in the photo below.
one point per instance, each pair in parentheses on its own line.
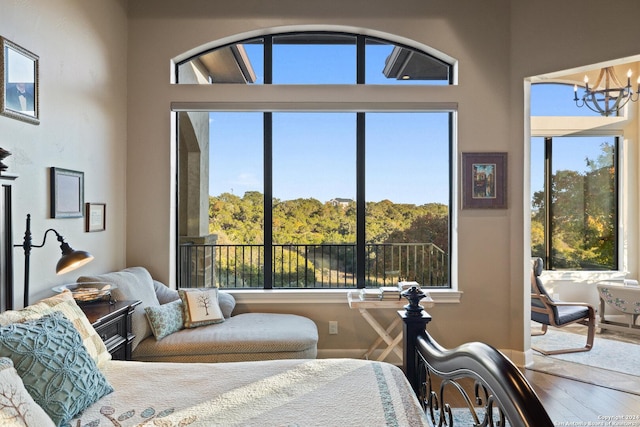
(112,321)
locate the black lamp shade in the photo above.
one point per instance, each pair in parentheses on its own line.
(72,260)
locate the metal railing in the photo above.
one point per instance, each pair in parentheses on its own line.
(311,266)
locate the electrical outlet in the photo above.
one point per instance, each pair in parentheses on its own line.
(333,327)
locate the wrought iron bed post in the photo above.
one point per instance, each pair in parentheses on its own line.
(500,392)
(415,323)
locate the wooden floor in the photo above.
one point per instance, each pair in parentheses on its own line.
(578,404)
(594,401)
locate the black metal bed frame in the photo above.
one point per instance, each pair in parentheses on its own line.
(501,392)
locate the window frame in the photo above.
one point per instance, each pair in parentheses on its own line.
(361,42)
(549,211)
(268,107)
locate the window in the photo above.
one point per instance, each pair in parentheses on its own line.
(574,200)
(314,199)
(314,58)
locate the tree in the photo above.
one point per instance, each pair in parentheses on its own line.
(582,215)
(204,301)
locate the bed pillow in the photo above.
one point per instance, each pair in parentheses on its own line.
(164,293)
(200,307)
(65,304)
(165,319)
(227,303)
(17,407)
(54,365)
(133,283)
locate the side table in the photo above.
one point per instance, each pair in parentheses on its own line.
(384,334)
(625,300)
(112,321)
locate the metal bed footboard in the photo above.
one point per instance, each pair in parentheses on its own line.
(501,394)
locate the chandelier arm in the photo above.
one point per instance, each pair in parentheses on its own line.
(599,79)
(614,78)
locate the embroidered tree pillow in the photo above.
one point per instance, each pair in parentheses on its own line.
(17,407)
(200,307)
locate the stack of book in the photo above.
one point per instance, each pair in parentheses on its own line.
(370,294)
(390,293)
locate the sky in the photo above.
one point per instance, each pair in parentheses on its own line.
(314,154)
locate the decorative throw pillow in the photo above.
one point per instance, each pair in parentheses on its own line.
(227,303)
(65,304)
(54,365)
(164,293)
(133,283)
(17,407)
(165,319)
(200,307)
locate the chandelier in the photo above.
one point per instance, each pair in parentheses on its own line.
(609,100)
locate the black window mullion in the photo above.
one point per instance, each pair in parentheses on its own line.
(268,170)
(360,200)
(360,59)
(268,60)
(548,241)
(616,183)
(268,200)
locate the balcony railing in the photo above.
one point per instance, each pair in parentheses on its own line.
(311,266)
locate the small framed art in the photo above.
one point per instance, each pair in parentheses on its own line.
(95,217)
(19,83)
(484,180)
(67,193)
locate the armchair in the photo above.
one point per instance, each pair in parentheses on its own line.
(548,312)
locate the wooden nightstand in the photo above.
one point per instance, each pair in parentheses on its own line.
(113,324)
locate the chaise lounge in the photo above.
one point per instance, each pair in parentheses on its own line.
(160,335)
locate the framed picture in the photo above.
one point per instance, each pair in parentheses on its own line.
(95,217)
(484,180)
(67,193)
(19,83)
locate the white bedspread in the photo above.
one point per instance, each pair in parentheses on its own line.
(322,392)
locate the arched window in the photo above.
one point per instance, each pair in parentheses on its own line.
(311,198)
(314,58)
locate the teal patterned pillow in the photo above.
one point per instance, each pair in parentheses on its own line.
(165,319)
(54,365)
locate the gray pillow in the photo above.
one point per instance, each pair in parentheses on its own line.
(164,293)
(134,283)
(227,303)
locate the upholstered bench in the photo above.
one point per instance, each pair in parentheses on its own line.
(241,337)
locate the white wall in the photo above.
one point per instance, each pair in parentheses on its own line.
(82,49)
(163,30)
(498,44)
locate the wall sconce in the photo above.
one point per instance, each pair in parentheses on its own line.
(70,260)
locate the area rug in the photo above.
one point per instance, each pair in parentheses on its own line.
(610,363)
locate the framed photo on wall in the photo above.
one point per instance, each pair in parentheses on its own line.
(484,180)
(19,83)
(67,193)
(95,217)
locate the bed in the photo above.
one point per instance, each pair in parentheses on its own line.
(53,371)
(322,392)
